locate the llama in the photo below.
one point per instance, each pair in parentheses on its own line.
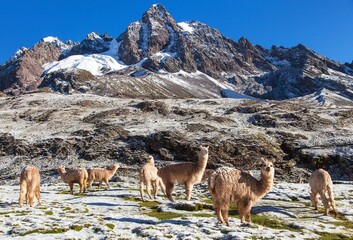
(148,176)
(207,174)
(29,185)
(228,185)
(100,175)
(74,176)
(320,182)
(187,173)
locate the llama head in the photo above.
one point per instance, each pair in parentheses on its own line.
(61,169)
(116,165)
(203,150)
(150,159)
(267,168)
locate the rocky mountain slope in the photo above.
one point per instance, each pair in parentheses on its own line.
(52,129)
(159,58)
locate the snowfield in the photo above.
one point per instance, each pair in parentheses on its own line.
(118,213)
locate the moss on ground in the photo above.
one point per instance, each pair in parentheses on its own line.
(46,231)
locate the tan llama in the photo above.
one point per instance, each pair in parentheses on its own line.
(100,175)
(29,185)
(148,176)
(187,173)
(74,176)
(320,182)
(232,185)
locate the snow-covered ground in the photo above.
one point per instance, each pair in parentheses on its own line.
(118,213)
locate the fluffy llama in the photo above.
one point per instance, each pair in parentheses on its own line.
(74,176)
(232,185)
(148,176)
(320,183)
(29,185)
(100,175)
(187,173)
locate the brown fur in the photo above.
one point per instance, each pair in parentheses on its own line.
(207,174)
(29,185)
(74,176)
(232,185)
(148,176)
(320,182)
(188,174)
(100,175)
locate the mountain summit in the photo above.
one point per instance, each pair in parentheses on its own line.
(160,58)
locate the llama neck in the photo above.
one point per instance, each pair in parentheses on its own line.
(112,171)
(202,162)
(264,185)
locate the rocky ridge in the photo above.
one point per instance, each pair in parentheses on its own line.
(157,45)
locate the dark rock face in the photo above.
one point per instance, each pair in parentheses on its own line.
(65,81)
(23,72)
(93,43)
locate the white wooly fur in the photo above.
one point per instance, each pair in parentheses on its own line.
(29,185)
(74,176)
(187,173)
(232,185)
(320,182)
(100,175)
(148,175)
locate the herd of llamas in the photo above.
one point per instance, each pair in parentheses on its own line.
(226,185)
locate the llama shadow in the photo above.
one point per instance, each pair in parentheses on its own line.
(105,204)
(258,209)
(153,222)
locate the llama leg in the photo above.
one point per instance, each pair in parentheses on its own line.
(90,184)
(225,214)
(84,185)
(247,210)
(71,185)
(148,185)
(325,202)
(314,199)
(155,188)
(99,184)
(332,201)
(141,190)
(106,182)
(38,194)
(81,187)
(162,186)
(169,189)
(188,188)
(22,194)
(240,205)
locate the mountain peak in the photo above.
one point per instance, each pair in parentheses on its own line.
(157,8)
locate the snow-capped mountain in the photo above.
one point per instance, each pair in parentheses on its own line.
(158,57)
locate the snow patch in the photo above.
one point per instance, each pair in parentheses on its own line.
(186,27)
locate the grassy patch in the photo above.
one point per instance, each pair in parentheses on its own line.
(46,231)
(332,236)
(76,227)
(16,212)
(67,209)
(193,207)
(271,223)
(163,215)
(152,204)
(49,213)
(347,224)
(110,225)
(206,215)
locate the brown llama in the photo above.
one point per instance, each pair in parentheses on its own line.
(320,182)
(29,185)
(148,176)
(232,185)
(100,175)
(187,173)
(74,176)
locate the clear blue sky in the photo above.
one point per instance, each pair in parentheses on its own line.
(326,26)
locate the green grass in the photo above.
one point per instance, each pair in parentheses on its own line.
(163,215)
(49,213)
(272,223)
(206,215)
(76,227)
(110,225)
(67,209)
(193,207)
(46,231)
(147,204)
(333,236)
